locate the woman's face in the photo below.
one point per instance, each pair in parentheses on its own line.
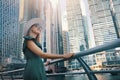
(36,30)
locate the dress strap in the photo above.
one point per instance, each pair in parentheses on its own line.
(29,38)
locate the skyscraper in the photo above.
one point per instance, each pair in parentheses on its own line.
(78,31)
(34,9)
(66,46)
(10,44)
(115,12)
(75,25)
(104,25)
(48,18)
(66,42)
(58,30)
(102,22)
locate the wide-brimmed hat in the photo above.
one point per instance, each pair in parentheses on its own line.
(29,23)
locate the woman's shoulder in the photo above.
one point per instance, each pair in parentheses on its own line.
(26,38)
(29,38)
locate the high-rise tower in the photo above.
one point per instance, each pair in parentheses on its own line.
(10,44)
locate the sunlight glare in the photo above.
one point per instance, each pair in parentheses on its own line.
(54,2)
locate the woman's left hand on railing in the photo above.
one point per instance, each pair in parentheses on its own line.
(68,55)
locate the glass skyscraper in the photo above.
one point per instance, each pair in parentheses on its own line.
(116,5)
(102,22)
(77,29)
(10,38)
(104,25)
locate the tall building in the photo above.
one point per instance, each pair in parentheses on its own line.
(10,44)
(115,4)
(59,30)
(34,9)
(1,33)
(57,26)
(48,18)
(78,31)
(56,31)
(102,22)
(66,46)
(104,25)
(75,25)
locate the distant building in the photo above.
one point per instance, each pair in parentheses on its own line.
(75,30)
(78,31)
(10,36)
(57,34)
(53,30)
(49,27)
(66,46)
(116,5)
(66,42)
(103,25)
(34,9)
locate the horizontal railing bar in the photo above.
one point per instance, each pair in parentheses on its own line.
(57,74)
(73,73)
(15,77)
(107,71)
(106,46)
(96,72)
(12,71)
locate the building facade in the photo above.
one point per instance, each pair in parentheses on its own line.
(104,26)
(49,27)
(66,46)
(66,49)
(78,31)
(57,23)
(10,38)
(115,4)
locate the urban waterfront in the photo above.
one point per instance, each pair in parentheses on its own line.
(84,77)
(88,28)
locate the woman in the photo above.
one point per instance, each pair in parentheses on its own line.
(32,49)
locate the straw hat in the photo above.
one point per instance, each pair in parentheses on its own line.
(31,22)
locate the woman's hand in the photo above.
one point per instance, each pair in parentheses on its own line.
(46,63)
(38,37)
(68,55)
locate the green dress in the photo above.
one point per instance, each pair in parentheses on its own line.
(34,69)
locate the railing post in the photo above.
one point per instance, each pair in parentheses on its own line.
(11,75)
(87,69)
(2,77)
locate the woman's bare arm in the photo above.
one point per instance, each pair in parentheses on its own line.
(34,48)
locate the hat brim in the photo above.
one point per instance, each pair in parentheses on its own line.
(29,23)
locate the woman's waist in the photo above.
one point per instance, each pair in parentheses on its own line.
(34,58)
(34,62)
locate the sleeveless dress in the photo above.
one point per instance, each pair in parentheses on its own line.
(34,69)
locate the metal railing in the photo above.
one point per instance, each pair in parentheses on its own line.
(88,71)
